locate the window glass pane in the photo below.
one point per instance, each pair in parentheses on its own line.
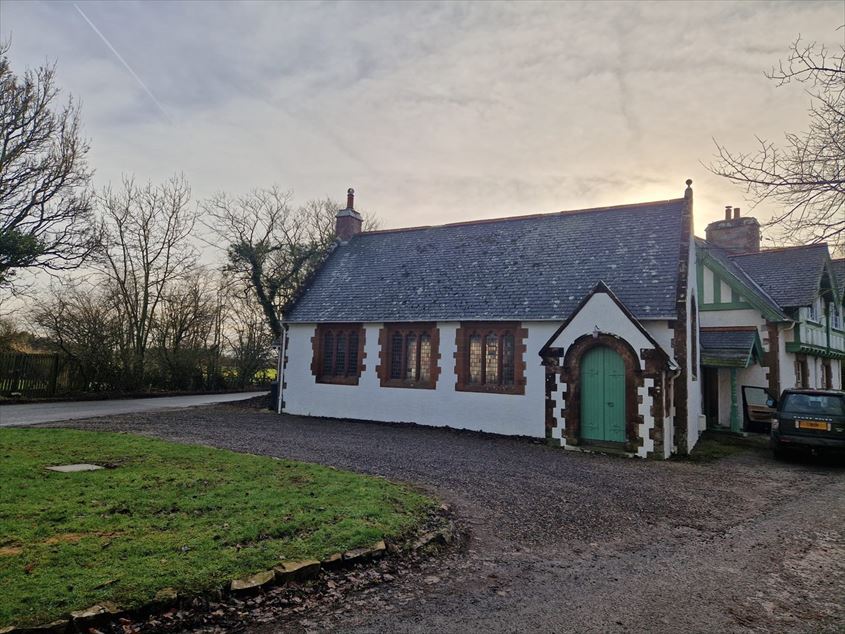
(328,349)
(396,356)
(475,359)
(425,358)
(507,360)
(352,364)
(411,357)
(491,359)
(340,355)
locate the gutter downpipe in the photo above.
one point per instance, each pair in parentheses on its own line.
(280,368)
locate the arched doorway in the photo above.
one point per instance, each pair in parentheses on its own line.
(603,395)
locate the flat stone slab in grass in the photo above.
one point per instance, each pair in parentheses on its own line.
(253,581)
(106,607)
(73,468)
(368,552)
(297,570)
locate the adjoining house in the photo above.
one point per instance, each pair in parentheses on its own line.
(579,326)
(770,319)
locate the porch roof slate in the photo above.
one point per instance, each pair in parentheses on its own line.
(526,268)
(728,347)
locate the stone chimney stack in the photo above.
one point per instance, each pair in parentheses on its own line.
(348,221)
(735,234)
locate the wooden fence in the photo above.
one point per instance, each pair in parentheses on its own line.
(34,374)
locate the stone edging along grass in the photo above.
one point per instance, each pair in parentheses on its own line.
(287,572)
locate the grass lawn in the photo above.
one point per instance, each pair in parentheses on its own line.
(167,515)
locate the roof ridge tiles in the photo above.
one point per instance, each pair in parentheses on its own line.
(780,249)
(547,214)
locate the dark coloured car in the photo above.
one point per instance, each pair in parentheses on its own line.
(811,420)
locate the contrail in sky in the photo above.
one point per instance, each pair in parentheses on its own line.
(125,64)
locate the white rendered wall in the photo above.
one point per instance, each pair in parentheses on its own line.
(707,295)
(603,313)
(695,424)
(743,317)
(787,360)
(443,406)
(811,379)
(661,333)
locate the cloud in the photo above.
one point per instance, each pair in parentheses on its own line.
(432,111)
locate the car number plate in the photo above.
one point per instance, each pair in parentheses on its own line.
(813,424)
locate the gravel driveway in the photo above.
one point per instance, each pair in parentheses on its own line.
(564,542)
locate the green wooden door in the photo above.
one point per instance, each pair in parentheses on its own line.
(603,395)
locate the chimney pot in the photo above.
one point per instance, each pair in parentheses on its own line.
(348,221)
(732,235)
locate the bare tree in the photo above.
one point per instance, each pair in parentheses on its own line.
(272,246)
(248,338)
(806,178)
(183,328)
(13,338)
(144,248)
(85,326)
(45,203)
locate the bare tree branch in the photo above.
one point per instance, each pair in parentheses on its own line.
(805,178)
(272,246)
(45,201)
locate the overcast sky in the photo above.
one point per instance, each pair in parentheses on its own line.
(434,112)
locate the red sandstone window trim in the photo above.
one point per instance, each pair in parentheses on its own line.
(408,355)
(490,357)
(338,353)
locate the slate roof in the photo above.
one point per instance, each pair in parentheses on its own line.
(526,268)
(725,260)
(727,347)
(790,275)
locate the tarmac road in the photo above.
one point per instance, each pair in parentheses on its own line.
(33,413)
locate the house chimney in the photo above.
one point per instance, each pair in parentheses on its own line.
(348,221)
(735,234)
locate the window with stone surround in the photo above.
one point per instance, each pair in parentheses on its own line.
(490,358)
(409,354)
(338,353)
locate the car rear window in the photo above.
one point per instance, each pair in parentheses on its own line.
(819,404)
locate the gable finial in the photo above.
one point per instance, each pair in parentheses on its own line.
(688,192)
